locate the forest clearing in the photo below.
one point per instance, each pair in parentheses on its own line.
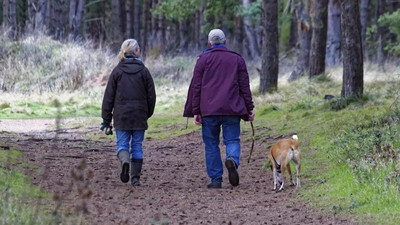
(324,70)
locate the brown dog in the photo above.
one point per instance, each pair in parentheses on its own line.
(280,154)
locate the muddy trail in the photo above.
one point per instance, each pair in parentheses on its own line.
(84,176)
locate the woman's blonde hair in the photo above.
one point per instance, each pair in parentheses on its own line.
(129,46)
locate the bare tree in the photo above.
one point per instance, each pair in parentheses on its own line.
(250,37)
(6,7)
(381,31)
(364,18)
(40,16)
(116,36)
(333,53)
(13,19)
(353,73)
(60,18)
(136,20)
(270,51)
(304,39)
(318,39)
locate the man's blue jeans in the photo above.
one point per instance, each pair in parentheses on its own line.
(130,140)
(211,128)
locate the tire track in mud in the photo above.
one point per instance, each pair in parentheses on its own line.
(84,175)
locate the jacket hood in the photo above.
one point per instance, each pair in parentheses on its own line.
(131,66)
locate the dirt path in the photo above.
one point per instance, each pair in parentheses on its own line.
(85,177)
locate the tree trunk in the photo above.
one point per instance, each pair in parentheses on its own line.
(145,19)
(154,27)
(270,52)
(196,39)
(6,10)
(183,35)
(203,34)
(40,17)
(381,32)
(293,31)
(250,37)
(60,18)
(318,39)
(161,30)
(334,34)
(352,49)
(129,12)
(122,17)
(116,36)
(364,19)
(13,19)
(78,19)
(72,14)
(31,16)
(49,16)
(136,21)
(304,39)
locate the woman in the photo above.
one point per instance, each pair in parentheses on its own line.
(129,99)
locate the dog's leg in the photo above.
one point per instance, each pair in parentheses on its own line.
(298,165)
(290,174)
(275,178)
(283,168)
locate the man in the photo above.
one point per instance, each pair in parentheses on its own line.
(219,96)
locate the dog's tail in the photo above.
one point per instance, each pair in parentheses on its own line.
(296,141)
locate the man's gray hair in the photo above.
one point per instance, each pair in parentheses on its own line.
(216,37)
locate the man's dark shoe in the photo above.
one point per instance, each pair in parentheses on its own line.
(233,174)
(215,184)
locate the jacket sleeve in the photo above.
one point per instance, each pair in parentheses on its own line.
(109,97)
(244,85)
(151,94)
(196,86)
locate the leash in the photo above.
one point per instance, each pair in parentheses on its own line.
(252,143)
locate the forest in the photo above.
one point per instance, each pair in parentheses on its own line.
(325,70)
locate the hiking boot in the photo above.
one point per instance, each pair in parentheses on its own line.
(124,158)
(233,174)
(136,169)
(215,184)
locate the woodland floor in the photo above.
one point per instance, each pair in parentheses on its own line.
(84,176)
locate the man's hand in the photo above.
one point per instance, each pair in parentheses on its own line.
(251,116)
(197,120)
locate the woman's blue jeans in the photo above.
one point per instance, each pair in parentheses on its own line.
(211,128)
(130,140)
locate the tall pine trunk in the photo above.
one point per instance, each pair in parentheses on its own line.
(60,18)
(333,53)
(270,52)
(78,19)
(304,39)
(353,73)
(136,21)
(381,31)
(364,19)
(318,39)
(250,34)
(129,12)
(31,16)
(116,36)
(6,7)
(13,19)
(72,14)
(145,19)
(40,17)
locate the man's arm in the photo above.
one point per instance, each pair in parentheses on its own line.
(244,86)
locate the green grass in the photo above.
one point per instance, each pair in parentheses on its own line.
(329,180)
(17,195)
